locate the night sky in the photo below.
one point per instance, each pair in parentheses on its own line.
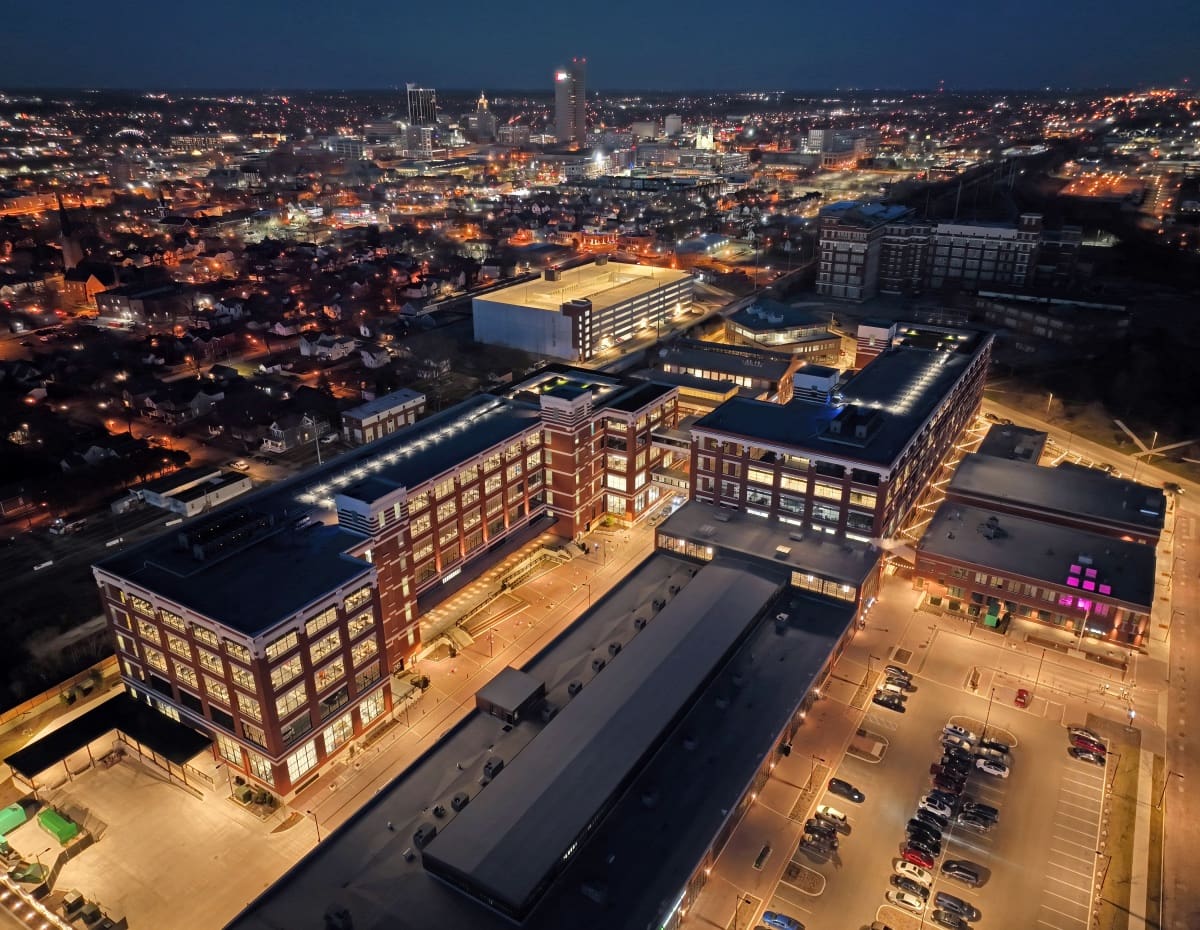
(659,45)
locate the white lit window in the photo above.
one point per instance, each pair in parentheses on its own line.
(302,760)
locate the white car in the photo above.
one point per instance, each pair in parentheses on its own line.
(239,465)
(915,872)
(935,808)
(832,814)
(910,902)
(960,732)
(992,767)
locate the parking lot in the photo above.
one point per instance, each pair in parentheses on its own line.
(1036,863)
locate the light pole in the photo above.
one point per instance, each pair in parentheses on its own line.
(316,823)
(1049,402)
(1038,677)
(988,716)
(1163,794)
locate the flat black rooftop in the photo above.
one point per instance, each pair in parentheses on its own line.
(766,315)
(1080,493)
(744,361)
(1046,552)
(641,855)
(250,591)
(903,386)
(1006,441)
(507,842)
(789,548)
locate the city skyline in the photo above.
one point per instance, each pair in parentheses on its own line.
(1033,46)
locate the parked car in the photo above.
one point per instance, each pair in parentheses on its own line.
(911,887)
(1082,742)
(239,465)
(914,826)
(833,815)
(916,857)
(963,871)
(956,905)
(943,797)
(949,921)
(778,921)
(925,844)
(904,685)
(992,754)
(992,767)
(928,804)
(915,872)
(963,733)
(1022,698)
(984,810)
(974,822)
(890,701)
(820,827)
(895,671)
(995,745)
(948,784)
(906,901)
(824,841)
(1084,756)
(932,819)
(1085,733)
(846,790)
(957,742)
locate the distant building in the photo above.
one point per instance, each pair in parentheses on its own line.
(513,135)
(481,125)
(704,138)
(672,125)
(570,102)
(382,416)
(770,324)
(422,105)
(578,313)
(191,491)
(870,248)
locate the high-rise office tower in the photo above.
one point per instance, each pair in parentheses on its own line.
(422,105)
(570,102)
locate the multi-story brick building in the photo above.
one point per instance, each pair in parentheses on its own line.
(853,467)
(382,416)
(272,625)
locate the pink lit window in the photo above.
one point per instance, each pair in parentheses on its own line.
(1083,604)
(1075,569)
(1073,582)
(1089,586)
(1066,600)
(1090,573)
(1106,589)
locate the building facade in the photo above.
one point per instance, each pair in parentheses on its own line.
(272,624)
(856,466)
(570,102)
(382,416)
(581,312)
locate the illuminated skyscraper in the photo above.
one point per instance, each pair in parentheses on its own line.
(422,105)
(570,102)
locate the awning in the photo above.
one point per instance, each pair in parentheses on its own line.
(138,721)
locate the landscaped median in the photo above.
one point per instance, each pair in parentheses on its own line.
(1129,866)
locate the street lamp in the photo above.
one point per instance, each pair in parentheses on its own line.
(316,823)
(988,716)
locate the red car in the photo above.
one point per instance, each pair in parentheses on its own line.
(916,857)
(1087,745)
(1022,697)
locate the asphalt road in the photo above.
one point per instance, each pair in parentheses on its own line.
(1037,861)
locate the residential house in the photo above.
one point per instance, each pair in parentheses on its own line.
(293,429)
(327,346)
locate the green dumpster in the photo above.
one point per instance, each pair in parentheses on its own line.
(61,828)
(11,817)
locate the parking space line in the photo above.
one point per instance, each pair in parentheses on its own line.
(1070,901)
(1056,926)
(1091,837)
(1072,855)
(1082,807)
(1078,920)
(1078,794)
(1056,865)
(1089,821)
(1071,885)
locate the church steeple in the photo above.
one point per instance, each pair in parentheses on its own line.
(481,104)
(64,220)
